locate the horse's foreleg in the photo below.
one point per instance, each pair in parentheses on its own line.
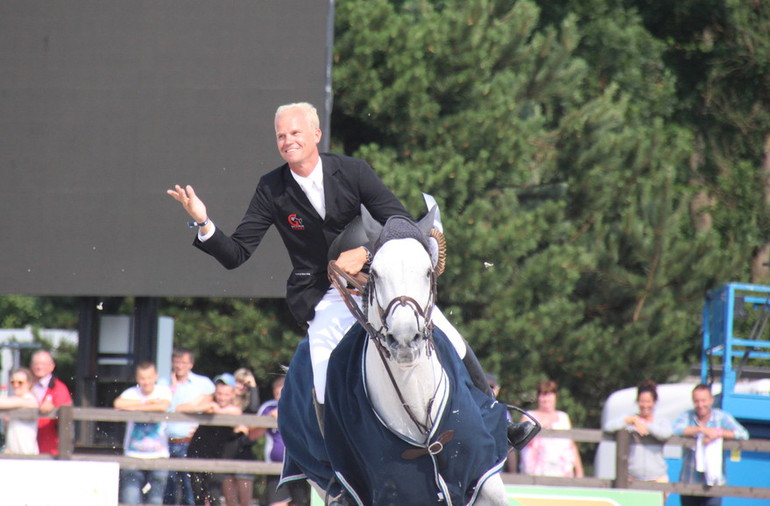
(493,492)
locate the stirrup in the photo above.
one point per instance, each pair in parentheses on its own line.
(520,434)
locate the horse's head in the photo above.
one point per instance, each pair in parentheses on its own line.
(401,290)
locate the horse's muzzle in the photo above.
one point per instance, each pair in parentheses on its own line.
(407,355)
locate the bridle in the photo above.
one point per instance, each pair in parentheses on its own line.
(379,335)
(366,286)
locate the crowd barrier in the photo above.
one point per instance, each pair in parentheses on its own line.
(70,416)
(623,480)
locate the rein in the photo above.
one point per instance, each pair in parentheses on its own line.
(359,283)
(364,284)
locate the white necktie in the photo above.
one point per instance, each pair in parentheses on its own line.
(315,195)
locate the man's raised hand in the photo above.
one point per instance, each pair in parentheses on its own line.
(190,202)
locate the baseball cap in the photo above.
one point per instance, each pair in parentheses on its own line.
(226,378)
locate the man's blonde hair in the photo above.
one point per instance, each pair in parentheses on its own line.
(306,108)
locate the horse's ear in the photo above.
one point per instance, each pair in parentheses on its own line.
(426,223)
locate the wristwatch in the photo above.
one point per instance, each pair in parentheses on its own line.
(193,224)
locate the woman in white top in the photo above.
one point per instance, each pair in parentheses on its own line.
(21,435)
(551,456)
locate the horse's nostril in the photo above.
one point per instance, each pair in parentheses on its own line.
(390,339)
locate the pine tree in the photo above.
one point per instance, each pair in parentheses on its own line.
(561,181)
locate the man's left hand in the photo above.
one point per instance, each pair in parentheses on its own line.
(352,260)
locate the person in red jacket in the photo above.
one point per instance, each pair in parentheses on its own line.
(50,393)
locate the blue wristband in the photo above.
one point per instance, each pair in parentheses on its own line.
(193,224)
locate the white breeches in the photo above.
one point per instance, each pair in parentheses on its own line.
(332,321)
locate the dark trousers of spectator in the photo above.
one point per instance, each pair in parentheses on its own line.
(207,488)
(696,500)
(178,481)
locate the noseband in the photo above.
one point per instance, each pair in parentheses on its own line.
(426,329)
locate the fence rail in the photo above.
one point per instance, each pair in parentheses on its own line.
(623,480)
(69,416)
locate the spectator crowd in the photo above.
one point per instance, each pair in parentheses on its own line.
(237,393)
(183,391)
(703,464)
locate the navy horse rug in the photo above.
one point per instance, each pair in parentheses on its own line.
(377,466)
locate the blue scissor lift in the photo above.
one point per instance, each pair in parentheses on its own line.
(736,339)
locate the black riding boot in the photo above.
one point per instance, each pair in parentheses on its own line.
(519,433)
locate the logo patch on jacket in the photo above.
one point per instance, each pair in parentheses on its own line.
(295,222)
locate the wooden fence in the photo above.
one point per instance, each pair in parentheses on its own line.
(622,479)
(70,416)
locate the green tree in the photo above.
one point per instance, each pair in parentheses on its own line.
(599,166)
(720,52)
(227,334)
(561,175)
(19,311)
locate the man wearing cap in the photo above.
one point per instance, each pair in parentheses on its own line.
(209,441)
(186,387)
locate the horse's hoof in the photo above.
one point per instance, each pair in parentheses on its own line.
(520,434)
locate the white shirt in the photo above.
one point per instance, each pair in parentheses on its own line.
(146,440)
(40,387)
(313,186)
(187,391)
(21,435)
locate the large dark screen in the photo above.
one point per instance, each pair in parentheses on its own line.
(105,105)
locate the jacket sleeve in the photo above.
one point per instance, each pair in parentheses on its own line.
(378,199)
(232,251)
